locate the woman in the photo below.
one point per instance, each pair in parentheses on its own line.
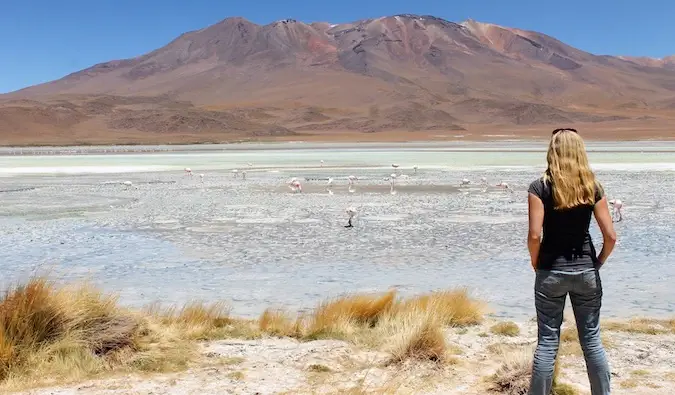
(561,203)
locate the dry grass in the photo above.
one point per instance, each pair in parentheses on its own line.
(318,368)
(50,334)
(339,317)
(63,333)
(236,376)
(68,334)
(409,328)
(452,308)
(647,326)
(513,376)
(414,335)
(510,329)
(629,383)
(279,323)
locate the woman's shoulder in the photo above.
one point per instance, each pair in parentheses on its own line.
(538,187)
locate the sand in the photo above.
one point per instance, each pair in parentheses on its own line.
(641,364)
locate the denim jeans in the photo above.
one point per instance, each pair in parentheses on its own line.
(550,291)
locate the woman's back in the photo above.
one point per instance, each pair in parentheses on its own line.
(566,243)
(560,206)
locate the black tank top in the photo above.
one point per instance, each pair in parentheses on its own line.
(566,244)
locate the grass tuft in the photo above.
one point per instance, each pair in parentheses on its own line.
(279,323)
(647,326)
(452,308)
(510,329)
(513,376)
(339,316)
(414,335)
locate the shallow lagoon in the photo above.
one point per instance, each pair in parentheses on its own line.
(251,242)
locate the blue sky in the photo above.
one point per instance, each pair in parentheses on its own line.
(44,40)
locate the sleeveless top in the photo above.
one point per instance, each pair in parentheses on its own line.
(566,244)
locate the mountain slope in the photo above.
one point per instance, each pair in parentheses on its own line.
(240,80)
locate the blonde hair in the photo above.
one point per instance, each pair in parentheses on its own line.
(572,180)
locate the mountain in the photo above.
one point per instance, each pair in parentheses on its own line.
(237,80)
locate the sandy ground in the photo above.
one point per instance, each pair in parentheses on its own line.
(641,364)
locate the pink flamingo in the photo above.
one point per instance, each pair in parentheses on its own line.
(188,171)
(617,206)
(295,185)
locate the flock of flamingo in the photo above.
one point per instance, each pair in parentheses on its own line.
(296,187)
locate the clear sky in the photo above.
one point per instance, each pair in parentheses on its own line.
(44,40)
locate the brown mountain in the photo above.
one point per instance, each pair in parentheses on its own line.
(403,77)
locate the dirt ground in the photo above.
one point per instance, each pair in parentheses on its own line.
(641,363)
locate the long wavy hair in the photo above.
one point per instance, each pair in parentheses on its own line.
(573,182)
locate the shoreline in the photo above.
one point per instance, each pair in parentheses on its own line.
(489,145)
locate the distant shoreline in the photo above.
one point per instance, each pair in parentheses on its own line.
(523,145)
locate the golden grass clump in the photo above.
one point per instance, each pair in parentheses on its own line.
(452,308)
(647,326)
(510,329)
(65,332)
(338,317)
(414,335)
(279,323)
(513,376)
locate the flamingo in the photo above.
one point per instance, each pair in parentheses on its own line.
(504,185)
(415,169)
(617,205)
(243,175)
(329,186)
(393,181)
(128,184)
(250,164)
(201,177)
(351,213)
(321,162)
(395,166)
(351,183)
(188,172)
(235,173)
(465,181)
(295,185)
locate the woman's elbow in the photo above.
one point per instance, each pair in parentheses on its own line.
(610,237)
(533,236)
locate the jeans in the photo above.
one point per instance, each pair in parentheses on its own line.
(550,291)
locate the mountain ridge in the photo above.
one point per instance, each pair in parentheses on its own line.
(416,73)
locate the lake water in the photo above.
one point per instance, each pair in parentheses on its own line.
(172,238)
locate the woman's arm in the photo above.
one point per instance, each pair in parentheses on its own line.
(535,214)
(601,212)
